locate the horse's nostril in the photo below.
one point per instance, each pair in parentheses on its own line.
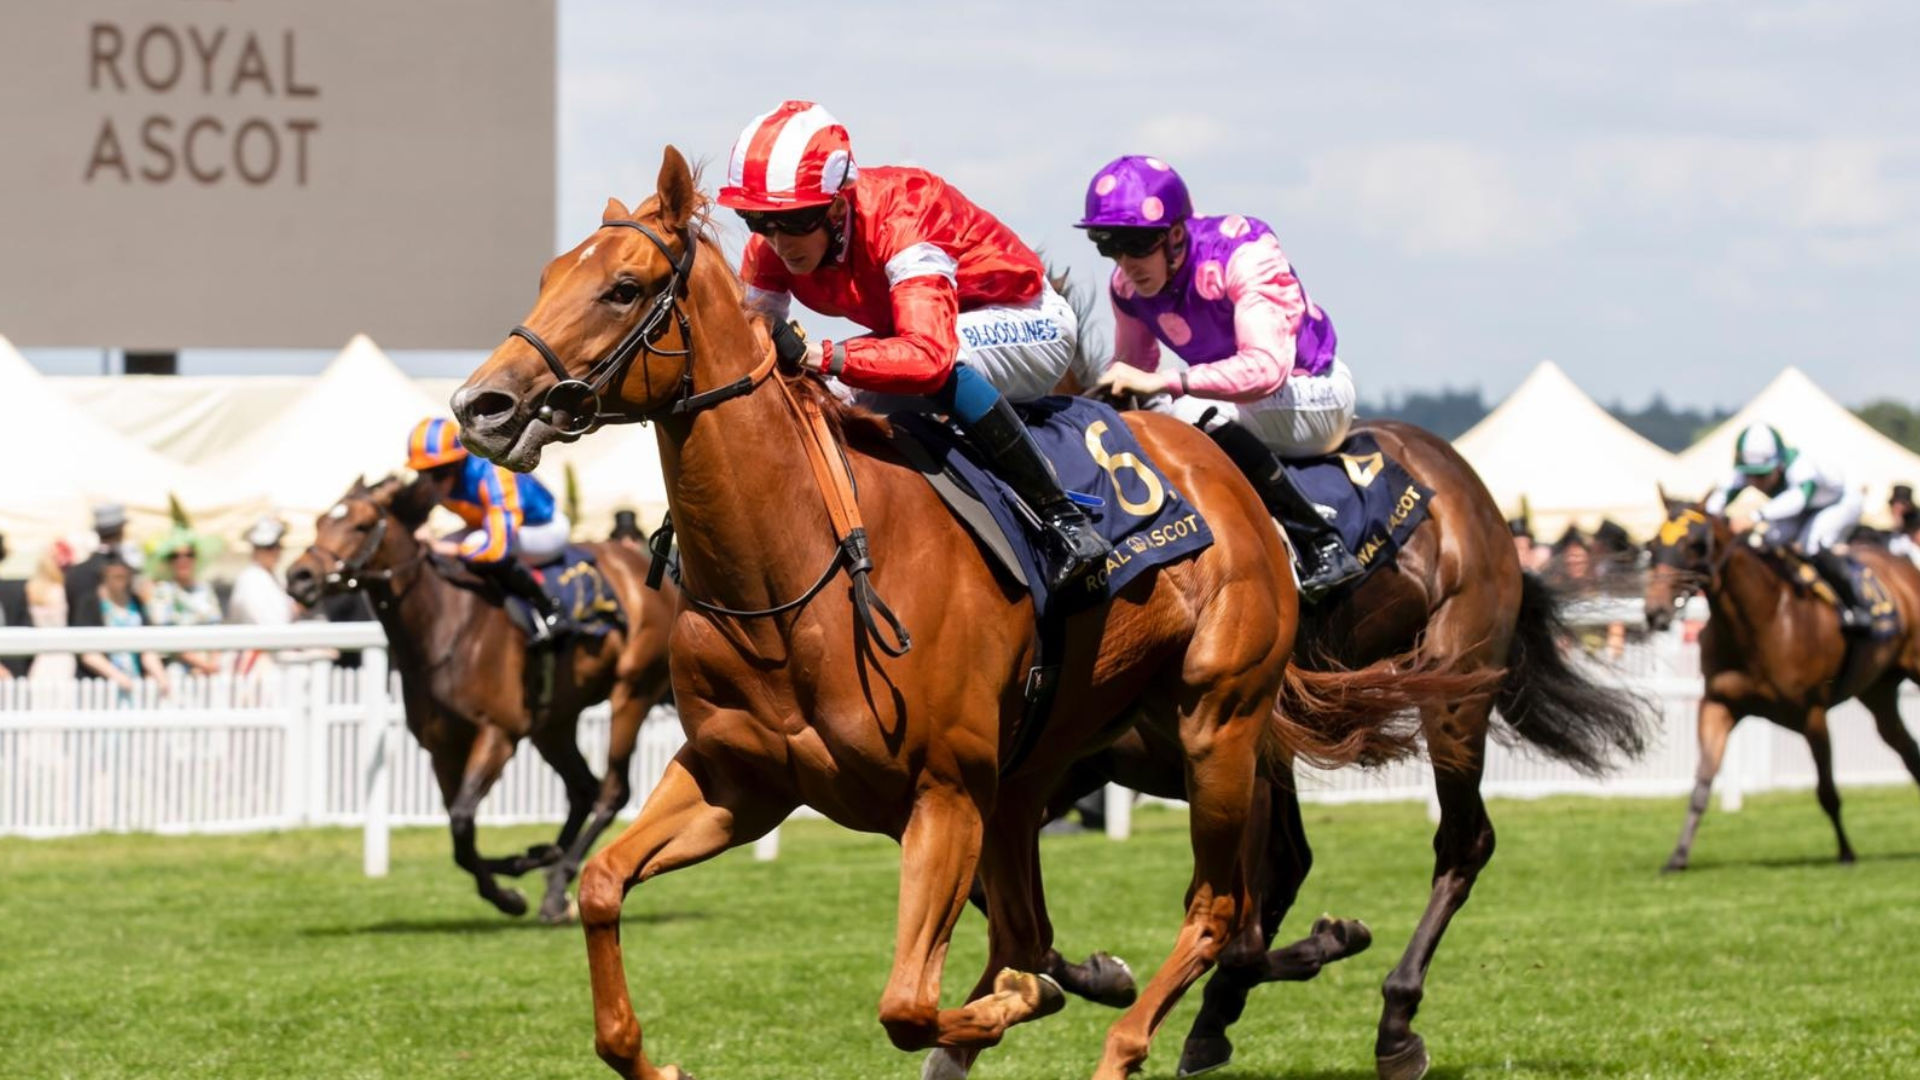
(483,408)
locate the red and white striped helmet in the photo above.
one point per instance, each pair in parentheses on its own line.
(797,155)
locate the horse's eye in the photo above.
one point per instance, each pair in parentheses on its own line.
(623,292)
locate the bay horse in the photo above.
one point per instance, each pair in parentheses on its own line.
(791,692)
(1456,595)
(462,666)
(1770,649)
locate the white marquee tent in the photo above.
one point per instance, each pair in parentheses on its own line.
(350,421)
(64,461)
(1816,424)
(1551,448)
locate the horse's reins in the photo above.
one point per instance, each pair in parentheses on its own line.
(350,574)
(572,407)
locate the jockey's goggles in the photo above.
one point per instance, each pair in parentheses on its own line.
(788,222)
(1133,243)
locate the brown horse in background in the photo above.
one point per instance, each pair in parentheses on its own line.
(1455,595)
(1774,650)
(462,667)
(791,694)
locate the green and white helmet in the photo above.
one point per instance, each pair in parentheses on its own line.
(1760,450)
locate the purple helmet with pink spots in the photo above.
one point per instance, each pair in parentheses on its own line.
(1136,192)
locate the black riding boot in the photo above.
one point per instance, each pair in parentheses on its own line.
(519,580)
(1325,563)
(1078,550)
(1855,616)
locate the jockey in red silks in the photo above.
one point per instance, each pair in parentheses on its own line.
(961,314)
(511,518)
(1254,357)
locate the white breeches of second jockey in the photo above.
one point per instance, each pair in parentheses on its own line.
(1822,527)
(535,545)
(1307,417)
(1023,350)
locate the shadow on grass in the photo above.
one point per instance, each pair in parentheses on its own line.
(487,925)
(1787,862)
(1444,1072)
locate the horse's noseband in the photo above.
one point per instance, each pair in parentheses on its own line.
(347,572)
(572,406)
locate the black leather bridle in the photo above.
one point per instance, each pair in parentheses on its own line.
(572,406)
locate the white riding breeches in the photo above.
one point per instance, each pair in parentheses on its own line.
(535,545)
(1307,417)
(1023,350)
(1822,527)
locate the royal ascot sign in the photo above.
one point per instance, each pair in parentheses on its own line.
(273,172)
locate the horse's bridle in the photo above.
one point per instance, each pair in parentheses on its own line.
(349,573)
(572,406)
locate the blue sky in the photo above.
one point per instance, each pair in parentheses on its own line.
(1671,195)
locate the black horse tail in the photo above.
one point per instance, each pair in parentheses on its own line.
(1558,705)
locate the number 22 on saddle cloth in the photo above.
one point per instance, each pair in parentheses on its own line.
(1132,503)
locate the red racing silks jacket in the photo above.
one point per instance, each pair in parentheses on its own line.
(917,254)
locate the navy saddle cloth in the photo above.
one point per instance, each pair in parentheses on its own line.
(1366,495)
(1867,586)
(580,591)
(1130,500)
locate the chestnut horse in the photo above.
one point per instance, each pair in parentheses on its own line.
(791,693)
(1773,650)
(462,663)
(1456,594)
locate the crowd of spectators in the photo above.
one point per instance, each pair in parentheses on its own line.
(101,577)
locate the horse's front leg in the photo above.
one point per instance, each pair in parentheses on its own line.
(939,852)
(489,754)
(693,814)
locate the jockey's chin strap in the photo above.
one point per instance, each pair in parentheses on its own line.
(834,477)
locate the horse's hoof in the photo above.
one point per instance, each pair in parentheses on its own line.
(1203,1054)
(1040,993)
(1352,935)
(1109,981)
(943,1065)
(559,911)
(1410,1063)
(1674,866)
(1848,858)
(510,902)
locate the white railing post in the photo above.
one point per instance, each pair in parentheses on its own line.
(767,848)
(375,760)
(1119,807)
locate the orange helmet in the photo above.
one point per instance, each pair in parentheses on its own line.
(435,441)
(794,157)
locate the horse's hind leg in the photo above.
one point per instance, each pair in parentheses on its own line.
(1821,744)
(1716,725)
(559,744)
(1221,749)
(1461,848)
(630,709)
(939,852)
(490,752)
(1280,858)
(692,815)
(1882,699)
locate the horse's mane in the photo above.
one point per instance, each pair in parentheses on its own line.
(850,422)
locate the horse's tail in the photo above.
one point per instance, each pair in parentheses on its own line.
(1363,716)
(1556,704)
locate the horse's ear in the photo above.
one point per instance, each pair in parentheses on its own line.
(615,211)
(1666,500)
(359,485)
(678,196)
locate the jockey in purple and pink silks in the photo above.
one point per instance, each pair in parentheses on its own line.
(1253,358)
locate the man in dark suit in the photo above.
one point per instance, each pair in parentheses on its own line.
(83,577)
(13,612)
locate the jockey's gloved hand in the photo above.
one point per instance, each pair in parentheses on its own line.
(1757,538)
(789,343)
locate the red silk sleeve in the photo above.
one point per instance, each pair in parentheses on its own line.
(922,352)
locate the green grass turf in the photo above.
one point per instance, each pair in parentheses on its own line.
(257,956)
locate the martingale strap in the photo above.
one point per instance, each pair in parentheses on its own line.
(834,478)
